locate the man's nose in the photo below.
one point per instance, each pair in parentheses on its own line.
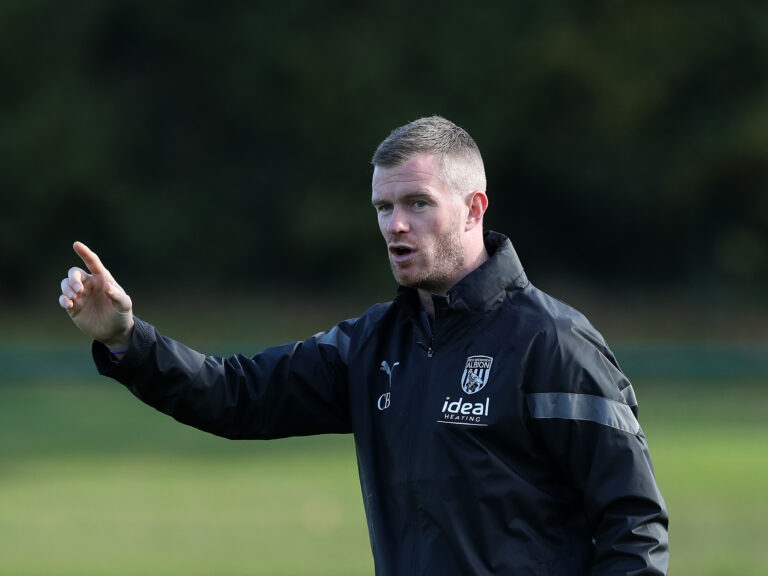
(398,222)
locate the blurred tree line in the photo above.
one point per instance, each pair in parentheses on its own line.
(227,144)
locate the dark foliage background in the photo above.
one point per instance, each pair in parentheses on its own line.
(226,144)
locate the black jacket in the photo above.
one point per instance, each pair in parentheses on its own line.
(503,439)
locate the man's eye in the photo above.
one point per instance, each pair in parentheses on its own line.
(384,207)
(419,204)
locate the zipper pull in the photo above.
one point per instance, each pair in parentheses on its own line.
(427,348)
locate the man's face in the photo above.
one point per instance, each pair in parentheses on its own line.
(422,222)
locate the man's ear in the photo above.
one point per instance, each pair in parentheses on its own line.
(478,204)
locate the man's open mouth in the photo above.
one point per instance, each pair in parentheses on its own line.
(401,253)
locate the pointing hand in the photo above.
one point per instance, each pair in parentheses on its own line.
(96,302)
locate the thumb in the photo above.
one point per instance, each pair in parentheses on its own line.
(120,299)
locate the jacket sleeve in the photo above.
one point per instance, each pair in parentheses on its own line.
(296,389)
(584,411)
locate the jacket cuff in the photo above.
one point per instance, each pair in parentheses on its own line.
(108,364)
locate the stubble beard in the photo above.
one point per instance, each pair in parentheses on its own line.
(441,265)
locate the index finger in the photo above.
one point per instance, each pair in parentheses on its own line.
(89,258)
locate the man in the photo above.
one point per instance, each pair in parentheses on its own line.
(495,433)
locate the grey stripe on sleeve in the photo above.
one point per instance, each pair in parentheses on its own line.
(629,396)
(335,337)
(597,409)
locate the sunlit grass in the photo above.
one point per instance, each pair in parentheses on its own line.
(150,515)
(94,482)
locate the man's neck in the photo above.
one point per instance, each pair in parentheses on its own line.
(425,296)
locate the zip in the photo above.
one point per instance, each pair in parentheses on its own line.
(415,499)
(427,347)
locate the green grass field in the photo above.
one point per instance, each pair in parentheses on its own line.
(93,482)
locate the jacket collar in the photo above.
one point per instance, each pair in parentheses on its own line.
(485,287)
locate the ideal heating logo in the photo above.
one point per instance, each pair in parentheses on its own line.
(463,412)
(477,370)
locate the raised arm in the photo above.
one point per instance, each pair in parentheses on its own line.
(96,303)
(295,389)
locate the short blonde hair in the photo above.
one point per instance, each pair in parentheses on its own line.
(460,160)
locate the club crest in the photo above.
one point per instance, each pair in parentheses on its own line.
(476,373)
